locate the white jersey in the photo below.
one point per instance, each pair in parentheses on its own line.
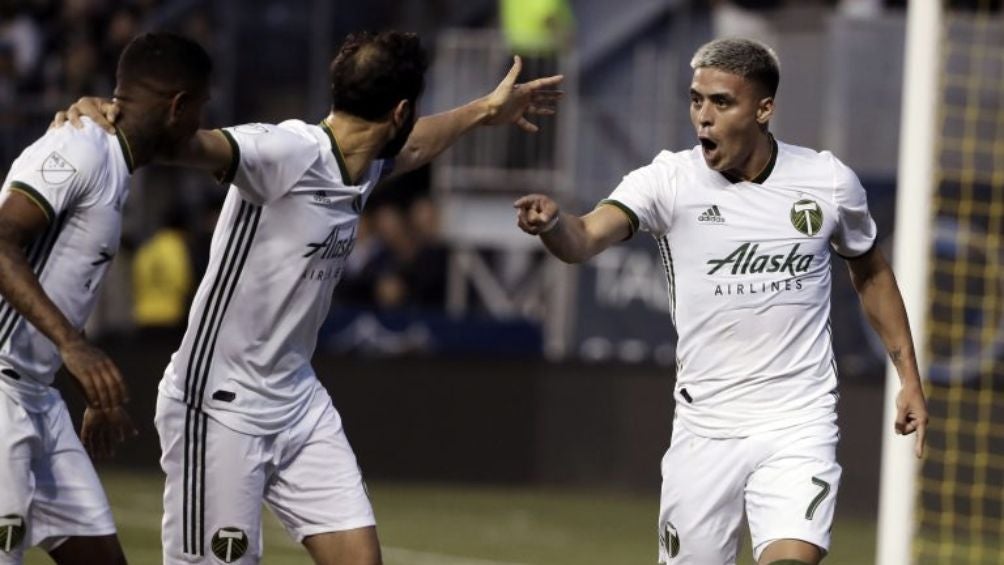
(288,223)
(748,267)
(80,179)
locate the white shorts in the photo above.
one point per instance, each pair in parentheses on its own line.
(50,489)
(787,480)
(217,479)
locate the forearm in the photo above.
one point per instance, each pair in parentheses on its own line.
(21,290)
(883,306)
(434,134)
(207,150)
(569,240)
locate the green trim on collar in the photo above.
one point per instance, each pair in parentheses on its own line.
(126,150)
(338,154)
(770,164)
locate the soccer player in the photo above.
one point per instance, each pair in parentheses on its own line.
(241,415)
(60,220)
(745,226)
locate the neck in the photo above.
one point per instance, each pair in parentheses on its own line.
(141,146)
(359,141)
(758,160)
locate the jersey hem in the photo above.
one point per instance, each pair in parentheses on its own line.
(236,421)
(815,415)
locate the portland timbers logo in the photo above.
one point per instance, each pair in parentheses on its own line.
(229,544)
(807,217)
(670,539)
(11,532)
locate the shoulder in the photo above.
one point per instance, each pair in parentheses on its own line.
(69,148)
(283,140)
(665,165)
(823,164)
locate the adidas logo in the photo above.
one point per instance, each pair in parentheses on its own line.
(712,216)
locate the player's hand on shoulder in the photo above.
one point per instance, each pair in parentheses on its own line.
(536,213)
(103,429)
(911,414)
(103,111)
(511,103)
(96,374)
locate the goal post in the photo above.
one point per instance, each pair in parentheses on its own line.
(912,244)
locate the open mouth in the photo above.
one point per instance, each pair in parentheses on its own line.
(708,144)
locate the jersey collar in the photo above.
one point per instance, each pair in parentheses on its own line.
(767,170)
(338,154)
(126,150)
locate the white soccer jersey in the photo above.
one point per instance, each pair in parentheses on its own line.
(79,177)
(288,223)
(748,268)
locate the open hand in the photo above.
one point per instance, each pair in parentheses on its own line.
(102,430)
(511,103)
(103,111)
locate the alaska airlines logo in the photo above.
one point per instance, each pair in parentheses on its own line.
(745,260)
(333,246)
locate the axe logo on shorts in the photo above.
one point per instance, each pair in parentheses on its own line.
(670,539)
(229,544)
(11,532)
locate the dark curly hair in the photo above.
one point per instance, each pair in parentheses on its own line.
(373,72)
(166,60)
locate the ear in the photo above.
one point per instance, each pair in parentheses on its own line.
(765,110)
(401,113)
(178,106)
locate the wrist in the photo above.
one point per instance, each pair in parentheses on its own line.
(551,225)
(68,340)
(484,110)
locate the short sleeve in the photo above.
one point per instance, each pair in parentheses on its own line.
(856,232)
(58,171)
(267,160)
(645,195)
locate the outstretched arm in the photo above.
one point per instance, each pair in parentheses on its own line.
(573,239)
(883,305)
(509,103)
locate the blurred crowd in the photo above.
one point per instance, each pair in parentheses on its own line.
(53,51)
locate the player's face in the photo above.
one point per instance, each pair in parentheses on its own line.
(728,113)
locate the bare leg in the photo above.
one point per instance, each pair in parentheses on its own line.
(791,552)
(350,547)
(86,550)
